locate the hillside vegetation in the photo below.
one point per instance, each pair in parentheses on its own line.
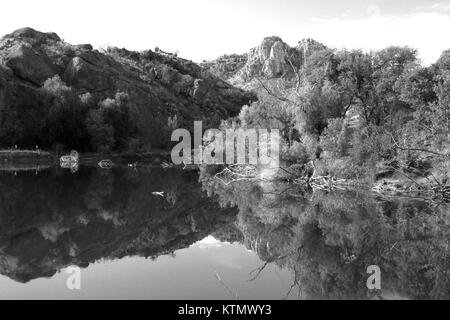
(378,116)
(62,96)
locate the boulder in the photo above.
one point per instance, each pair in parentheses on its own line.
(33,35)
(90,77)
(29,65)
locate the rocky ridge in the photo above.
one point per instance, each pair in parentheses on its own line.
(272,59)
(158,85)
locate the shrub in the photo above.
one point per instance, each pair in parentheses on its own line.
(86,99)
(64,123)
(372,143)
(345,168)
(296,153)
(102,134)
(116,114)
(311,144)
(335,137)
(172,122)
(56,86)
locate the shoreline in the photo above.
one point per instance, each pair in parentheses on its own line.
(15,160)
(24,154)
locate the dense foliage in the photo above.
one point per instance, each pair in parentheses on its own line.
(70,119)
(353,111)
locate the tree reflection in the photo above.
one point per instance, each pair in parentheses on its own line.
(328,239)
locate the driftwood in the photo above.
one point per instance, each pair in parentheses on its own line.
(438,193)
(435,193)
(330,183)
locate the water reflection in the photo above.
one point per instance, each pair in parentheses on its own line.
(265,240)
(329,239)
(57,218)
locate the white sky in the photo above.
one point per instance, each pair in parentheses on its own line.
(206,29)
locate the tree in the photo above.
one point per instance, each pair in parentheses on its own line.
(116,114)
(268,112)
(102,134)
(416,86)
(389,65)
(65,122)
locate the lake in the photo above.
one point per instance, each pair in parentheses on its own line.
(149,233)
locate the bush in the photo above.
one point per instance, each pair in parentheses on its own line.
(87,99)
(311,144)
(116,115)
(296,153)
(345,168)
(102,134)
(335,138)
(64,123)
(372,144)
(55,86)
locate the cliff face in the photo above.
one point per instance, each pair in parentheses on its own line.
(272,59)
(158,85)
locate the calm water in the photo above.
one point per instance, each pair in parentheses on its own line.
(200,239)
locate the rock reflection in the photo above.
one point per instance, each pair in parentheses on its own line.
(56,219)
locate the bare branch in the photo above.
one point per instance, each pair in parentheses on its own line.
(270,92)
(261,269)
(418,149)
(295,283)
(234,294)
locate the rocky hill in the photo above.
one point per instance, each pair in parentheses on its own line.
(226,66)
(272,59)
(158,86)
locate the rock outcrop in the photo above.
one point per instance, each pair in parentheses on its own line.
(226,66)
(307,46)
(158,85)
(272,59)
(269,59)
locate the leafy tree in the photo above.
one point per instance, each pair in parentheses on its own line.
(335,138)
(64,123)
(269,112)
(389,65)
(416,86)
(116,114)
(102,134)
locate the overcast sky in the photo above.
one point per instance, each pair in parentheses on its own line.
(206,29)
